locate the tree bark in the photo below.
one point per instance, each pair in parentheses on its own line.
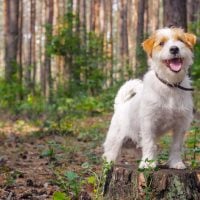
(125,182)
(95,18)
(175,13)
(48,79)
(153,15)
(11,37)
(193,8)
(108,39)
(26,45)
(132,33)
(140,36)
(33,41)
(124,36)
(20,49)
(140,23)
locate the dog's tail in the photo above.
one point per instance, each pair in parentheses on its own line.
(127,91)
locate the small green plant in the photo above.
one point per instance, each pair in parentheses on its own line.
(192,147)
(147,174)
(11,177)
(60,196)
(74,183)
(50,152)
(98,181)
(70,184)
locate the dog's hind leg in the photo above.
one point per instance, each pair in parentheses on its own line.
(113,143)
(112,147)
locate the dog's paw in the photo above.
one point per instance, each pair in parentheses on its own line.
(177,165)
(147,164)
(109,157)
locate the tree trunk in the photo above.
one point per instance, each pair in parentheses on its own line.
(193,7)
(40,48)
(140,36)
(33,40)
(27,37)
(175,13)
(108,39)
(125,182)
(95,18)
(49,23)
(154,15)
(140,22)
(124,36)
(20,49)
(132,19)
(11,37)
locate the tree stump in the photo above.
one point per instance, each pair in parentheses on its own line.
(125,182)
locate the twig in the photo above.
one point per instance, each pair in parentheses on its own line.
(9,196)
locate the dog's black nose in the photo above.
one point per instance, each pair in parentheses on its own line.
(174,50)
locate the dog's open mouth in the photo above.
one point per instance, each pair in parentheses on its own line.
(174,64)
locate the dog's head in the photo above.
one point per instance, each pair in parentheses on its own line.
(170,52)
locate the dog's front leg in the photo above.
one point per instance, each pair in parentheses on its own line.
(175,160)
(149,149)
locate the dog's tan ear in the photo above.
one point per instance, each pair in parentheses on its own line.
(148,45)
(190,39)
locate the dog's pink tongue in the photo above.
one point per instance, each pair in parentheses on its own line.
(175,64)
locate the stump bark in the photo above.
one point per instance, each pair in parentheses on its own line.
(125,182)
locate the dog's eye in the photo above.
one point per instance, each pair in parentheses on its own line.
(161,43)
(181,40)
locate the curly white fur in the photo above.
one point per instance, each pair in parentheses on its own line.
(145,110)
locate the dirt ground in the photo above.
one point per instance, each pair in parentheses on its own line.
(25,173)
(28,167)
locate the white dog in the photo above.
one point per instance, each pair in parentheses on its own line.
(162,102)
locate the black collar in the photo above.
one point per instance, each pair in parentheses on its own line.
(175,85)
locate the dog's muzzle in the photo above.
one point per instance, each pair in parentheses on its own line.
(174,64)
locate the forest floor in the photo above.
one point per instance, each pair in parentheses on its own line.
(34,164)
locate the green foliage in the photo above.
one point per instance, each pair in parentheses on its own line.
(49,153)
(89,134)
(97,181)
(15,98)
(147,175)
(60,196)
(11,176)
(9,93)
(195,70)
(84,57)
(74,182)
(196,66)
(32,106)
(192,147)
(66,42)
(70,183)
(141,65)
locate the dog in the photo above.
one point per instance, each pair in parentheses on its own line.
(162,102)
